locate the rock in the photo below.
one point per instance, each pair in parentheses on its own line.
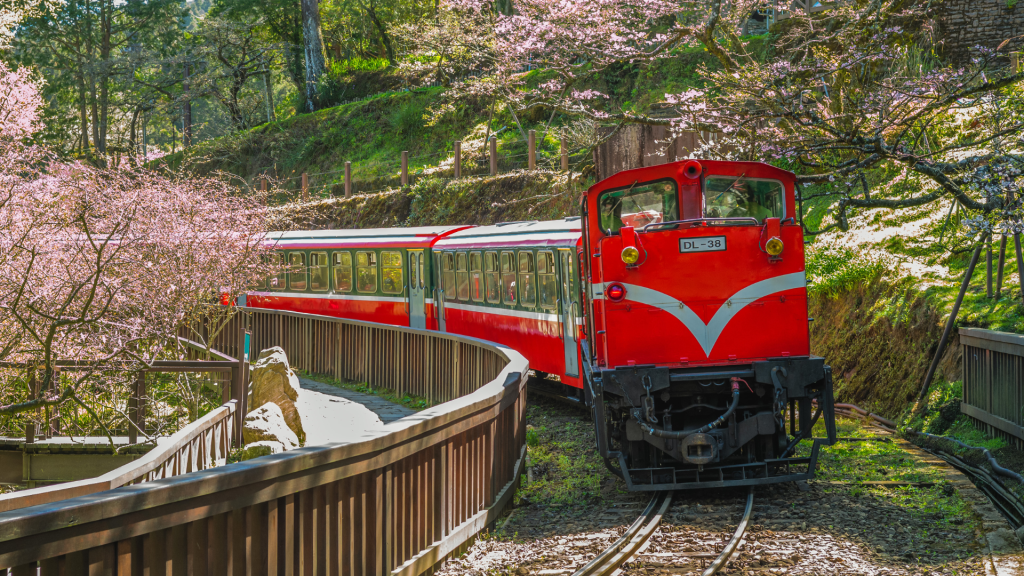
(273,381)
(267,423)
(1002,541)
(259,449)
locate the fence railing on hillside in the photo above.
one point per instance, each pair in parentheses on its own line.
(519,154)
(394,501)
(993,382)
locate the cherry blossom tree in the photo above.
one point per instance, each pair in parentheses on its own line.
(101,267)
(840,94)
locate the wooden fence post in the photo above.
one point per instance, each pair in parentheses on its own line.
(1014,62)
(305,187)
(348,179)
(405,167)
(136,409)
(263,183)
(458,159)
(494,155)
(988,267)
(532,150)
(565,154)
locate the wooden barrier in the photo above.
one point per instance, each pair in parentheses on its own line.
(194,447)
(993,364)
(394,501)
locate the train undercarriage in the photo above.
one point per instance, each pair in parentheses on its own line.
(705,427)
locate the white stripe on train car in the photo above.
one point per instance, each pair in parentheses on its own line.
(330,296)
(503,312)
(707,334)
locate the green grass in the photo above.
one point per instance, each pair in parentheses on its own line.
(857,462)
(410,401)
(562,450)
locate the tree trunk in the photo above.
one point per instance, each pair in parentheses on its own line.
(268,87)
(133,132)
(313,41)
(106,15)
(83,116)
(389,49)
(186,112)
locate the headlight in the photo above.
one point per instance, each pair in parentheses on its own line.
(630,255)
(774,246)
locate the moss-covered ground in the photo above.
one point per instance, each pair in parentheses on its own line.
(410,401)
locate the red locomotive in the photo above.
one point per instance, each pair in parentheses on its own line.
(675,307)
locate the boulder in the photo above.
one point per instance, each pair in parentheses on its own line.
(273,381)
(267,423)
(259,449)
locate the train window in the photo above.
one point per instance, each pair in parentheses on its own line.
(448,275)
(566,276)
(638,205)
(414,269)
(527,287)
(508,278)
(462,275)
(319,276)
(277,282)
(366,271)
(392,281)
(476,277)
(547,283)
(296,271)
(342,271)
(732,197)
(492,277)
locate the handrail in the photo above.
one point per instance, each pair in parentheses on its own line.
(141,470)
(397,500)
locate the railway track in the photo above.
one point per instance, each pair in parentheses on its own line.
(612,560)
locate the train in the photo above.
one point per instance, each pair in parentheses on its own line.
(673,307)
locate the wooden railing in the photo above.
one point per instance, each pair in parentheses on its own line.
(195,447)
(994,382)
(394,501)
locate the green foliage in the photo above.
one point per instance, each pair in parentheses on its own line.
(852,463)
(833,268)
(567,470)
(344,67)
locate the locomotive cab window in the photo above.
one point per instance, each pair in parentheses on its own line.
(547,283)
(508,278)
(527,286)
(638,205)
(492,277)
(319,278)
(476,277)
(462,275)
(342,271)
(732,197)
(448,275)
(297,271)
(366,271)
(392,281)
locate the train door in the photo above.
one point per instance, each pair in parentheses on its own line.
(417,309)
(567,307)
(443,268)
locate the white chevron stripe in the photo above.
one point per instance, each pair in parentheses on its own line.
(707,334)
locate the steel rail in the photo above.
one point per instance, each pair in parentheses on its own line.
(623,549)
(734,543)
